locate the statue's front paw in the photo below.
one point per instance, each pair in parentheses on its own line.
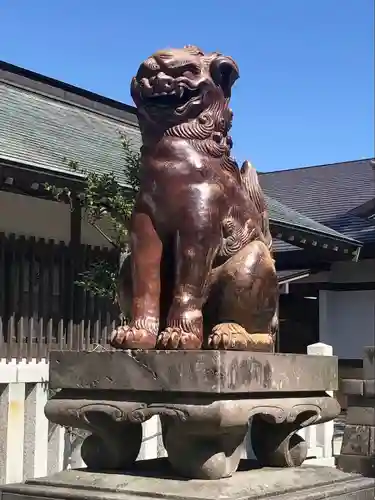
(131,337)
(228,336)
(174,337)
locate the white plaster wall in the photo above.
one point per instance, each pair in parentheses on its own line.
(347,321)
(91,236)
(29,216)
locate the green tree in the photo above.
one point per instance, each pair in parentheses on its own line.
(103,197)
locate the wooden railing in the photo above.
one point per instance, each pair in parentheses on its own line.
(41,307)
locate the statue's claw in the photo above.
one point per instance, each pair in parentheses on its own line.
(131,337)
(176,338)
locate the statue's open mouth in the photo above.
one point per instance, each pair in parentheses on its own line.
(177,98)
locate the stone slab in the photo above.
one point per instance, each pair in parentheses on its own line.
(152,481)
(361,415)
(358,387)
(357,464)
(193,371)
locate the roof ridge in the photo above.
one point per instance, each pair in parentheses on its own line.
(323,165)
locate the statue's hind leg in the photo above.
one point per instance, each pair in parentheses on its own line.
(243,301)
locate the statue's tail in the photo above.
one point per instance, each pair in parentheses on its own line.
(251,184)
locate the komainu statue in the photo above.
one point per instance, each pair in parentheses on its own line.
(201,272)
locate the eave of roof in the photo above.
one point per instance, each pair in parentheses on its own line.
(307,232)
(287,276)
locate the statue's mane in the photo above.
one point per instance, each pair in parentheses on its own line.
(208,134)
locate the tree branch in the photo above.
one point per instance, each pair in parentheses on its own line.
(104,235)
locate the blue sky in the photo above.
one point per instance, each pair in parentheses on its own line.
(306,92)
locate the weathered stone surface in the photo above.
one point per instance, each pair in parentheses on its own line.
(360,401)
(358,387)
(361,415)
(357,465)
(153,481)
(193,371)
(202,434)
(356,440)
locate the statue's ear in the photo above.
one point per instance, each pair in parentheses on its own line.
(224,72)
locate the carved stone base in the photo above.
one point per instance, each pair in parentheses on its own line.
(203,428)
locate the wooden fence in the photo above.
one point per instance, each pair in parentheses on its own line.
(41,307)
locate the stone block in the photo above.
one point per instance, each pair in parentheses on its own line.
(361,415)
(195,371)
(357,440)
(357,465)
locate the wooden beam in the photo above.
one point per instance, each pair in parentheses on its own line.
(75,223)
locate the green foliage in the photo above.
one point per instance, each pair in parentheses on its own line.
(100,279)
(102,198)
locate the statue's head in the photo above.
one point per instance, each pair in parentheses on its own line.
(176,85)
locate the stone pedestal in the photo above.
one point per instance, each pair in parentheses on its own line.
(204,399)
(153,479)
(358,446)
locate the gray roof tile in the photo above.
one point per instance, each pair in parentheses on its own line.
(40,131)
(285,215)
(327,194)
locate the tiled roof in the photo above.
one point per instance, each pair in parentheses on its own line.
(279,213)
(327,194)
(40,131)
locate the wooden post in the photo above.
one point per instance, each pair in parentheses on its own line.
(75,223)
(76,262)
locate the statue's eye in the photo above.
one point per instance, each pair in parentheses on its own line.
(190,69)
(188,74)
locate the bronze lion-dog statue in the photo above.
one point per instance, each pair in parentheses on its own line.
(201,272)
